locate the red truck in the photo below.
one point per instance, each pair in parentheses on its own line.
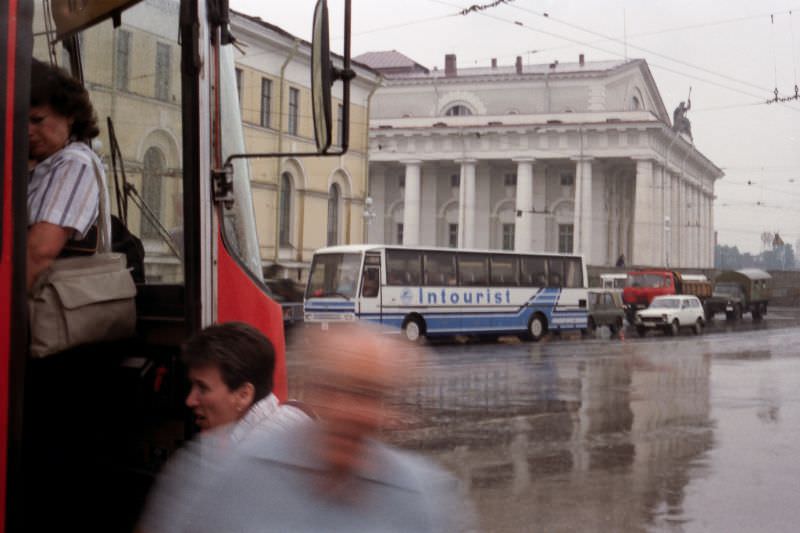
(644,285)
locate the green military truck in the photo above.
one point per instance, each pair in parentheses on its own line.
(739,292)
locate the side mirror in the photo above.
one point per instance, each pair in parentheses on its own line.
(321,71)
(324,74)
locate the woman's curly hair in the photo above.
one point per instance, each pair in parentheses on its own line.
(54,87)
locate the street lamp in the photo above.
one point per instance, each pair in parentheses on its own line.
(369,215)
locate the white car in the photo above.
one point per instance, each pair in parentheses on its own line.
(670,313)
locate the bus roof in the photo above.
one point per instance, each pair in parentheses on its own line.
(354,248)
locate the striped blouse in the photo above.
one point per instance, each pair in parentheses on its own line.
(63,189)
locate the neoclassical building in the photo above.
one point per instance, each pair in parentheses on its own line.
(565,157)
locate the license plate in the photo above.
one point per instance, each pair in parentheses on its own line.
(729,308)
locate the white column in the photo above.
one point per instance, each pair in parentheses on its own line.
(658,214)
(684,228)
(411,203)
(695,226)
(704,236)
(643,251)
(702,230)
(583,208)
(466,206)
(675,223)
(523,226)
(711,233)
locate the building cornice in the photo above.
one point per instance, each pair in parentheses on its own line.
(683,151)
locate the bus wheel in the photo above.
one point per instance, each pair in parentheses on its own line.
(537,327)
(414,329)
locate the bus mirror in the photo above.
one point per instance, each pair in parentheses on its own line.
(321,76)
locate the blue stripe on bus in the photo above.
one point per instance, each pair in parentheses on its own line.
(449,323)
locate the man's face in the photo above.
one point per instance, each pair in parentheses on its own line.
(351,411)
(48,132)
(212,402)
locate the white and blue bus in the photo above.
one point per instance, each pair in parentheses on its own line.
(425,291)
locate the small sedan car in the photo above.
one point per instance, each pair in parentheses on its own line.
(670,313)
(605,308)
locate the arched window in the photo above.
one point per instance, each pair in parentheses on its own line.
(635,103)
(333,215)
(458,110)
(285,216)
(152,173)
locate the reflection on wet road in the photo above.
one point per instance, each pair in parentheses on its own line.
(656,434)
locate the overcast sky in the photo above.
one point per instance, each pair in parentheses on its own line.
(732,53)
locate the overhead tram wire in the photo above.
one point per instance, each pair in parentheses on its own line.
(671,30)
(401,25)
(642,49)
(617,54)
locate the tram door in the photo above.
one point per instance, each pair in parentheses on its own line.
(370,301)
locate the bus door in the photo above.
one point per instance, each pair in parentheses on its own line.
(369,301)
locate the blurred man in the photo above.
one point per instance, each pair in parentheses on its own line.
(328,475)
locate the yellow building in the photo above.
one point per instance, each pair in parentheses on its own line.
(301,204)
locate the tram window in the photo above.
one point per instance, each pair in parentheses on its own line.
(504,270)
(473,270)
(573,276)
(534,272)
(555,270)
(440,269)
(146,111)
(403,267)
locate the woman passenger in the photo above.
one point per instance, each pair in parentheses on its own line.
(63,194)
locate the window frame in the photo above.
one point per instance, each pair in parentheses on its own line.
(240,86)
(452,235)
(511,235)
(162,77)
(265,116)
(122,76)
(293,126)
(285,211)
(561,235)
(334,195)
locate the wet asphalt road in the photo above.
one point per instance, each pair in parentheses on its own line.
(687,433)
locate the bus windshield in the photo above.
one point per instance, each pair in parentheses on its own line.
(334,275)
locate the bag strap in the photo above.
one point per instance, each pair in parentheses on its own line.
(103,216)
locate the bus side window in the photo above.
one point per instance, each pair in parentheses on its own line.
(556,269)
(440,268)
(572,274)
(534,271)
(504,270)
